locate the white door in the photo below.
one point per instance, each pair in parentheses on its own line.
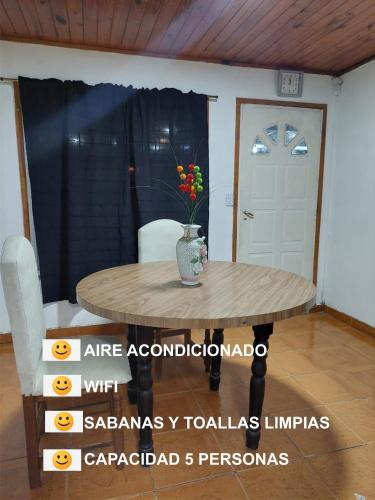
(278,186)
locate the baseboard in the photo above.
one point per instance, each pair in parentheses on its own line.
(74,331)
(354,322)
(317,308)
(5,338)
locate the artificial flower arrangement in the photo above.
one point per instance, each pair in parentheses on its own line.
(191,250)
(191,184)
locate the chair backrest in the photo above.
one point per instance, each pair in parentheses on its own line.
(157,240)
(23,298)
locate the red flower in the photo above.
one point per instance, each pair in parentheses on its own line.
(191,166)
(193,196)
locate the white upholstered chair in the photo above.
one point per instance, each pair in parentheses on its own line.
(25,308)
(157,242)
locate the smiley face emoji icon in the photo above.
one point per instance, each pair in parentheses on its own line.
(62,459)
(61,349)
(64,421)
(62,385)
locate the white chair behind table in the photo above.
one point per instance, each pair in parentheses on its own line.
(157,242)
(24,303)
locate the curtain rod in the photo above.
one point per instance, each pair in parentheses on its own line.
(8,80)
(4,79)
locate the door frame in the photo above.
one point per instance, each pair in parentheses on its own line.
(288,104)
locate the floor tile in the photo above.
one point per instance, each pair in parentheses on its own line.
(219,488)
(171,380)
(228,401)
(296,481)
(272,441)
(193,372)
(312,441)
(241,367)
(104,482)
(12,428)
(314,360)
(14,483)
(182,442)
(363,344)
(357,414)
(285,393)
(175,405)
(348,472)
(303,338)
(331,386)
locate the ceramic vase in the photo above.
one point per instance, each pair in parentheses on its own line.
(191,254)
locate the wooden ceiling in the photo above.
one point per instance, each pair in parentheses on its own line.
(320,36)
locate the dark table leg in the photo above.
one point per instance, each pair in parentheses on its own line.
(217,339)
(207,358)
(257,383)
(133,384)
(145,336)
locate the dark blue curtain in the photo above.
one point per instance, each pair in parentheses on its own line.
(96,156)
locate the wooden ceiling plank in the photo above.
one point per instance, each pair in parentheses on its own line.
(15,15)
(328,35)
(366,54)
(105,20)
(137,11)
(226,17)
(166,15)
(327,44)
(266,28)
(75,17)
(366,51)
(90,21)
(7,27)
(182,14)
(263,22)
(60,14)
(209,18)
(31,18)
(44,11)
(307,21)
(150,18)
(359,33)
(120,18)
(301,31)
(197,13)
(343,49)
(238,25)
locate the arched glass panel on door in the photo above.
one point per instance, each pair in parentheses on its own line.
(259,148)
(273,133)
(290,133)
(300,149)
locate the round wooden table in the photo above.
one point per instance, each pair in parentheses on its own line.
(230,295)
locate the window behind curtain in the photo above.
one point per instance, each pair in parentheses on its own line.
(91,151)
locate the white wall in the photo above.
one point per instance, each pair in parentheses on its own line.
(349,284)
(94,67)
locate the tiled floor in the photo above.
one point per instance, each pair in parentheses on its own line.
(317,366)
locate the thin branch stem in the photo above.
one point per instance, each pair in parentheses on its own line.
(196,208)
(196,152)
(156,189)
(177,193)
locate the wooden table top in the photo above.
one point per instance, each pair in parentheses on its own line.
(230,295)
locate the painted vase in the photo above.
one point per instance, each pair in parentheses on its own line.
(191,252)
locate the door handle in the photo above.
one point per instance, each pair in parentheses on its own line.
(248,214)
